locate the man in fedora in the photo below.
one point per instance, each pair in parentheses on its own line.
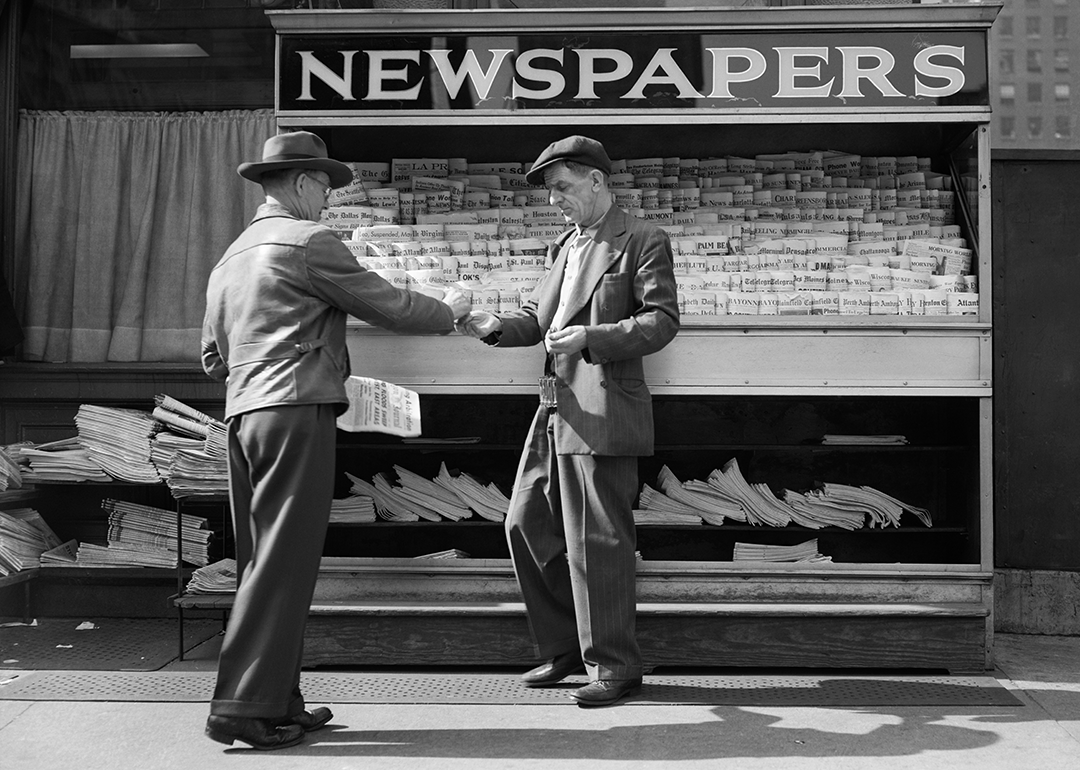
(608,300)
(274,331)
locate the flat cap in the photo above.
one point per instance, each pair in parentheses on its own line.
(581,149)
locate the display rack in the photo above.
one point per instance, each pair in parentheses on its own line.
(761,388)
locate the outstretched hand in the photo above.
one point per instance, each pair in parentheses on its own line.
(459,302)
(478,324)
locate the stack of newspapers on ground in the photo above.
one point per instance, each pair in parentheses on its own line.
(191,454)
(726,494)
(144,536)
(447,497)
(24,537)
(216,578)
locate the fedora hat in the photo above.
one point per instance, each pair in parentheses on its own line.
(299,149)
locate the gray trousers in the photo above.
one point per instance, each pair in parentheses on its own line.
(572,540)
(281,482)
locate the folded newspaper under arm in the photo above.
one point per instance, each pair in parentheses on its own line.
(380,407)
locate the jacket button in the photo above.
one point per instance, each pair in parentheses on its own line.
(603,383)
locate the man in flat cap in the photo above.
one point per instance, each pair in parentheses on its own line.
(608,300)
(275,332)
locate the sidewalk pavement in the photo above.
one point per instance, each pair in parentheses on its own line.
(1044,733)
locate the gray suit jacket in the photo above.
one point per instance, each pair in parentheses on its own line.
(275,313)
(626,299)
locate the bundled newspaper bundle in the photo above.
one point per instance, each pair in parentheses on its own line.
(144,536)
(191,454)
(356,508)
(24,536)
(186,420)
(10,475)
(63,460)
(446,497)
(118,440)
(801,552)
(216,578)
(726,494)
(486,499)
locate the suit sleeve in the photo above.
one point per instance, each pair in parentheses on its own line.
(655,317)
(337,279)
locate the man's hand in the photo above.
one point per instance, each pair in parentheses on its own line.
(566,341)
(459,303)
(479,324)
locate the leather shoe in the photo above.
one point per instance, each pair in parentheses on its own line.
(308,720)
(555,670)
(258,733)
(606,692)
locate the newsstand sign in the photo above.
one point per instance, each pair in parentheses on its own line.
(342,75)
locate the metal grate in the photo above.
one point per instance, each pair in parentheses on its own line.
(117,644)
(473,688)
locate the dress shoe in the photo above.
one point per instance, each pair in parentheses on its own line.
(606,692)
(309,720)
(554,671)
(258,733)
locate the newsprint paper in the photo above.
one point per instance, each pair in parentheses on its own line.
(380,407)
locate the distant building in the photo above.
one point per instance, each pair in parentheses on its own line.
(1035,85)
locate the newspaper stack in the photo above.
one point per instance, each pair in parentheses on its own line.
(354,509)
(658,508)
(191,453)
(387,505)
(119,441)
(429,494)
(10,475)
(807,552)
(181,418)
(144,536)
(710,501)
(63,555)
(876,439)
(63,460)
(216,578)
(24,536)
(197,473)
(757,500)
(451,553)
(487,500)
(856,503)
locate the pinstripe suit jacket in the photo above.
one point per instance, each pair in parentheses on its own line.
(625,298)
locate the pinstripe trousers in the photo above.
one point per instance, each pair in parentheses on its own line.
(281,482)
(571,534)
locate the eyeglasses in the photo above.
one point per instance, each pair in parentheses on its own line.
(325,187)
